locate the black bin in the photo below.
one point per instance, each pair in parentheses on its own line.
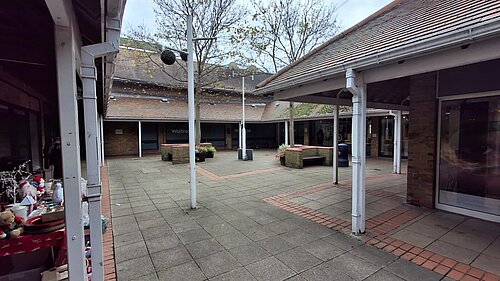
(343,160)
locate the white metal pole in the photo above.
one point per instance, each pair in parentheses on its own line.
(397,140)
(243,130)
(286,133)
(192,133)
(336,144)
(239,135)
(70,148)
(140,138)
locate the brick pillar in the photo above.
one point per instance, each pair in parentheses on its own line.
(422,140)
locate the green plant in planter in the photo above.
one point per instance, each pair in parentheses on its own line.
(280,152)
(210,151)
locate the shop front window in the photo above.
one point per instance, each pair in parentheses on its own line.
(469,154)
(386,137)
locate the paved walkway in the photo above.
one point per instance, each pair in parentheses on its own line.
(257,220)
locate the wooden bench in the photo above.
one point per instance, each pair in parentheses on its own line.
(301,155)
(313,160)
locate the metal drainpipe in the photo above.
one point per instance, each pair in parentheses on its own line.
(358,148)
(89,77)
(397,141)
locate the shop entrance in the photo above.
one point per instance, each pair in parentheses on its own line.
(469,156)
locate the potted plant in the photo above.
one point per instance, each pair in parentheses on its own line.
(210,151)
(200,154)
(280,153)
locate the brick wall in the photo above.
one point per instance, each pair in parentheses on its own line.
(126,143)
(422,140)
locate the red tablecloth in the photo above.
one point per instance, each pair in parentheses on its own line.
(28,243)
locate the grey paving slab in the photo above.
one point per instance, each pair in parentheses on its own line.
(217,264)
(373,255)
(410,271)
(270,269)
(233,240)
(127,238)
(134,268)
(450,250)
(125,228)
(275,245)
(488,262)
(298,237)
(240,274)
(163,243)
(156,232)
(204,248)
(257,233)
(233,219)
(170,257)
(354,267)
(413,238)
(342,241)
(130,251)
(323,250)
(220,229)
(383,275)
(249,253)
(298,259)
(325,272)
(184,272)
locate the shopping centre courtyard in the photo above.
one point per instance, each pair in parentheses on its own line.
(257,220)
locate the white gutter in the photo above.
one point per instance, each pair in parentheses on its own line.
(358,152)
(89,78)
(397,142)
(433,44)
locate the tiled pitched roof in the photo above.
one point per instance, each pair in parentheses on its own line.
(136,65)
(401,23)
(136,108)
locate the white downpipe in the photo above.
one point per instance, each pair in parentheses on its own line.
(336,144)
(286,133)
(192,132)
(139,134)
(243,130)
(358,147)
(89,77)
(102,141)
(397,141)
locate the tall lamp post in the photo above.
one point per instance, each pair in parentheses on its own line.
(168,57)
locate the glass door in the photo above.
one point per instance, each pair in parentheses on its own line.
(469,155)
(386,147)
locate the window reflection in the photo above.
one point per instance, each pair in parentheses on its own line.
(469,170)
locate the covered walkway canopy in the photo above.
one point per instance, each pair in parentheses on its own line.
(56,67)
(403,57)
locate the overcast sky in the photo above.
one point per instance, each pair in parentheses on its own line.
(138,12)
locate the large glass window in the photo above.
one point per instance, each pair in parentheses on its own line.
(469,163)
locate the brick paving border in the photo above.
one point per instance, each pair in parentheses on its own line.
(378,228)
(109,253)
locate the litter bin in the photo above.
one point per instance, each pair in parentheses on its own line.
(343,155)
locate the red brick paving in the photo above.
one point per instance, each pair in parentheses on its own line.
(109,254)
(377,229)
